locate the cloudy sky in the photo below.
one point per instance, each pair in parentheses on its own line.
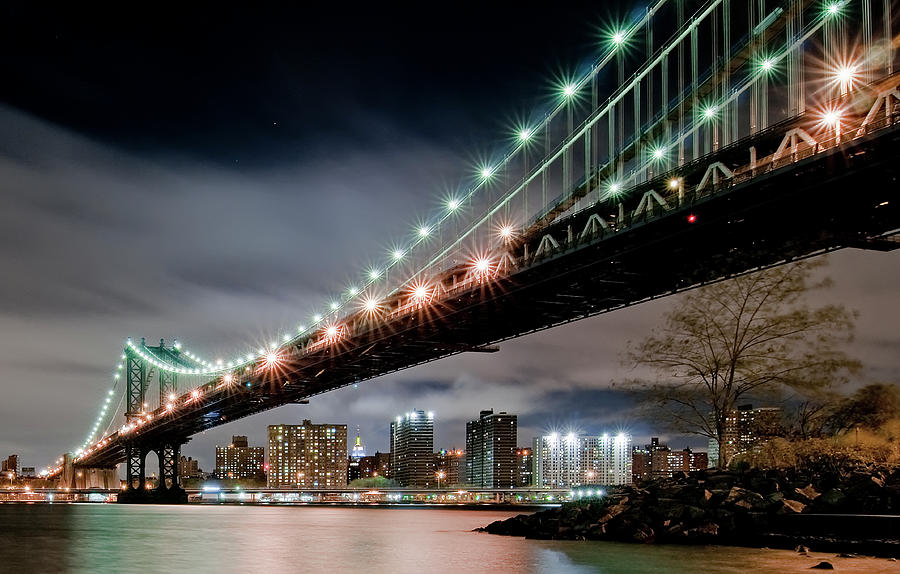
(213,176)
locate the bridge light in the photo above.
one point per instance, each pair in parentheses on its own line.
(709,112)
(423,231)
(169,407)
(195,394)
(525,134)
(352,291)
(674,183)
(420,292)
(452,204)
(618,38)
(767,65)
(397,254)
(833,8)
(487,172)
(272,360)
(482,265)
(691,218)
(334,305)
(846,77)
(832,117)
(317,318)
(506,232)
(374,274)
(615,188)
(370,305)
(569,90)
(331,331)
(659,153)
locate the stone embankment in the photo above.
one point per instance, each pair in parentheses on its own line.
(844,512)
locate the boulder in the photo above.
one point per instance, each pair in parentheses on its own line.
(807,493)
(823,565)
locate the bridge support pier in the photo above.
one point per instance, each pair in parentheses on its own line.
(137,490)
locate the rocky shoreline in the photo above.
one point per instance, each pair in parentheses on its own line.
(855,512)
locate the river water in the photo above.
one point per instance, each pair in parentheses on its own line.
(99,538)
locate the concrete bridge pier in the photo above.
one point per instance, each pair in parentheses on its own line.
(84,478)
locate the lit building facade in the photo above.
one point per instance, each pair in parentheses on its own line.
(239,460)
(190,468)
(412,449)
(354,463)
(525,466)
(557,460)
(307,456)
(450,464)
(606,459)
(572,460)
(11,464)
(491,450)
(745,428)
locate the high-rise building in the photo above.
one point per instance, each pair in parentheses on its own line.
(606,459)
(449,465)
(744,429)
(11,464)
(307,455)
(571,460)
(525,466)
(189,467)
(557,460)
(357,454)
(239,460)
(383,465)
(642,460)
(491,450)
(412,449)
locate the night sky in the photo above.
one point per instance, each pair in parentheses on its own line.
(212,174)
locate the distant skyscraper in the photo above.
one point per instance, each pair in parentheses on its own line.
(357,454)
(571,460)
(11,464)
(745,428)
(307,455)
(557,461)
(491,450)
(412,449)
(189,467)
(239,460)
(606,459)
(452,464)
(642,460)
(525,466)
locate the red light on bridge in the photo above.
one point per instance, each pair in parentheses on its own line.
(691,218)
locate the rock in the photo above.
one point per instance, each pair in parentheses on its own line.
(763,485)
(705,530)
(801,549)
(743,498)
(830,500)
(788,506)
(847,555)
(808,493)
(823,565)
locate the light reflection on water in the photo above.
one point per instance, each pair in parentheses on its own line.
(122,539)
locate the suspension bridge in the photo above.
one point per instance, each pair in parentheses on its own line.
(711,138)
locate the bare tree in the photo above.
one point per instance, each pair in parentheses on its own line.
(741,339)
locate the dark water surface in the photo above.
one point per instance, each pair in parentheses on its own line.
(273,539)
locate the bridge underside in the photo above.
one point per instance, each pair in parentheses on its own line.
(844,198)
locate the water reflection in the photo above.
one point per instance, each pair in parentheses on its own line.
(110,538)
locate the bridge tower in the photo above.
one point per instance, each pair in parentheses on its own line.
(139,373)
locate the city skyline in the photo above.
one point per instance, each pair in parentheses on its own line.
(72,218)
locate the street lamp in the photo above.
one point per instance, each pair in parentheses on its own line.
(439,475)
